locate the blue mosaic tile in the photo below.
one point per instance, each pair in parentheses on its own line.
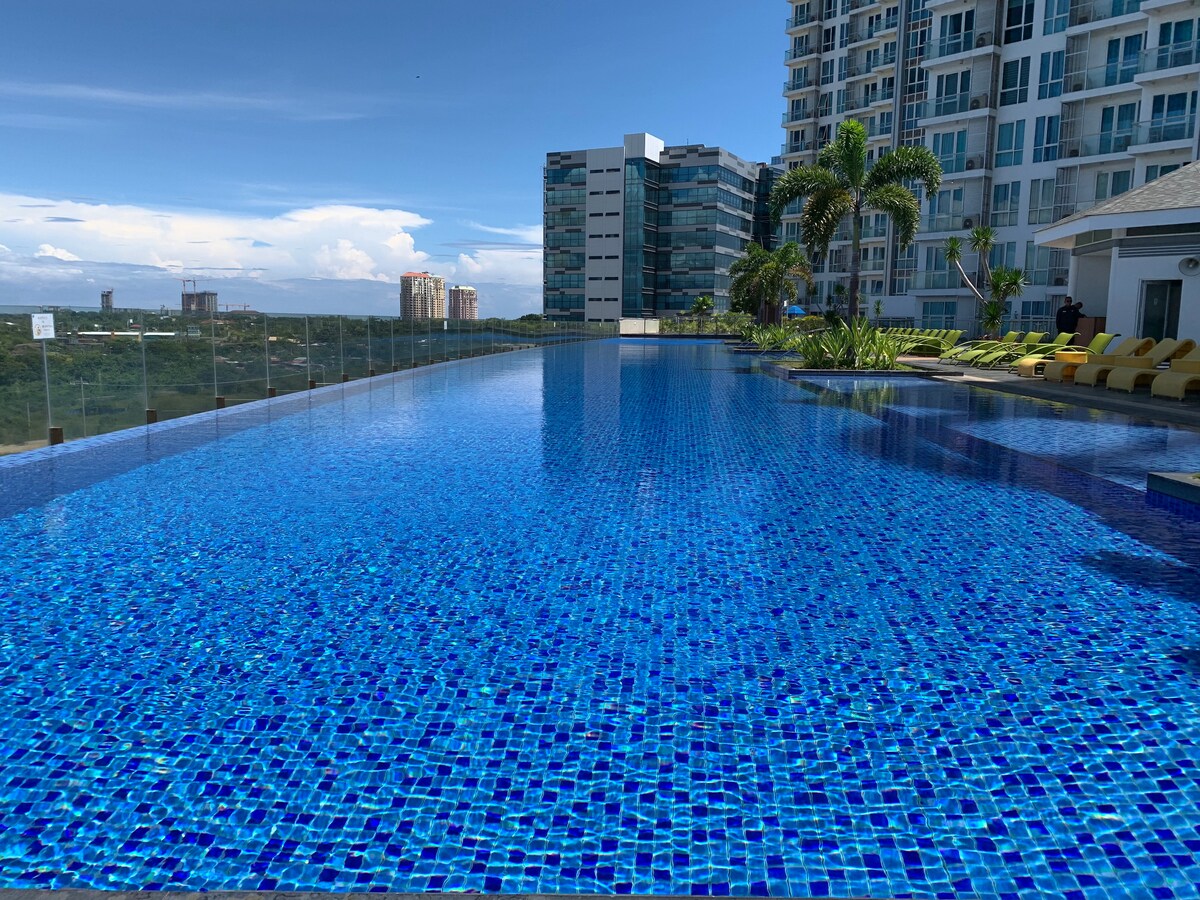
(619,618)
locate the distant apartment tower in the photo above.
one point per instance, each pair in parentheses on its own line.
(464,302)
(199,302)
(422,296)
(1036,110)
(106,301)
(643,229)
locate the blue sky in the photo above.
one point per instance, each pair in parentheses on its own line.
(301,155)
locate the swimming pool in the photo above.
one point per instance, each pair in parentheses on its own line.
(623,616)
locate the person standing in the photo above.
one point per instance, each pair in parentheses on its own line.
(1068,316)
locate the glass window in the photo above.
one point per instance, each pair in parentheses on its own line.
(1153,172)
(1003,255)
(1050,74)
(1018,23)
(1037,263)
(1045,138)
(1041,201)
(1010,140)
(1006,198)
(1014,81)
(1057,12)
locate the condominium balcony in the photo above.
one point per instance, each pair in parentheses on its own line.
(885,59)
(1086,12)
(802,114)
(796,147)
(791,54)
(1165,62)
(962,162)
(860,4)
(866,233)
(1102,143)
(890,23)
(937,281)
(1162,135)
(951,221)
(953,105)
(1098,77)
(960,43)
(801,81)
(800,19)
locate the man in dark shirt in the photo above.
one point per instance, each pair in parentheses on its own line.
(1068,316)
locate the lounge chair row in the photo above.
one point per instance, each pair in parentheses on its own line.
(1010,349)
(1134,363)
(923,341)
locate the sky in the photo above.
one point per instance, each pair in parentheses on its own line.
(299,156)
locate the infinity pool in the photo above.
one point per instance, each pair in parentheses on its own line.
(610,617)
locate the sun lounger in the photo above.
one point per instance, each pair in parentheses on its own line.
(1183,376)
(954,352)
(1065,371)
(1033,363)
(1097,373)
(1030,341)
(1128,378)
(1004,356)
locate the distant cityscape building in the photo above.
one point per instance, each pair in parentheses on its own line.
(643,229)
(422,296)
(464,302)
(199,302)
(106,301)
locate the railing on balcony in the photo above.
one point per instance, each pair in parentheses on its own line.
(961,162)
(800,19)
(870,266)
(799,52)
(797,146)
(800,82)
(885,59)
(935,281)
(797,115)
(1097,10)
(1164,130)
(880,95)
(1171,56)
(1098,77)
(960,43)
(951,221)
(879,129)
(886,25)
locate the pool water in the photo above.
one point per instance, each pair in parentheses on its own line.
(610,617)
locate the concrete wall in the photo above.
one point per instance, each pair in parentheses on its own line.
(1090,283)
(605,233)
(1125,293)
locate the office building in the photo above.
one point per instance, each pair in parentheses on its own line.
(464,302)
(1037,109)
(643,229)
(422,296)
(199,302)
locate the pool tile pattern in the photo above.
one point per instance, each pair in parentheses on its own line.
(611,619)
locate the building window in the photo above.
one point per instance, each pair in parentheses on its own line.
(827,71)
(1153,172)
(828,39)
(1006,198)
(1037,263)
(1014,81)
(951,150)
(1112,184)
(1045,138)
(1041,201)
(1010,141)
(1057,13)
(1003,255)
(1050,74)
(1018,24)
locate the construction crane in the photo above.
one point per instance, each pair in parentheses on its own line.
(231,306)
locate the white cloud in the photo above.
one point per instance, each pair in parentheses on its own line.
(334,241)
(522,267)
(531,234)
(45,250)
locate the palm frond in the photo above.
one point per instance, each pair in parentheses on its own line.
(795,184)
(898,202)
(822,214)
(846,155)
(906,164)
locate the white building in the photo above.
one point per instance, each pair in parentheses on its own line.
(464,302)
(422,296)
(1037,109)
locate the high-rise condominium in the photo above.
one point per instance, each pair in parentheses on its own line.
(464,302)
(422,296)
(643,229)
(1037,109)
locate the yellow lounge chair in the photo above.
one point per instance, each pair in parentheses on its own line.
(1094,373)
(1184,375)
(1128,378)
(1065,371)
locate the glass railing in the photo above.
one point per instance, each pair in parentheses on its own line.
(1172,56)
(1099,77)
(799,19)
(959,43)
(879,129)
(1098,10)
(797,146)
(1100,144)
(952,221)
(886,25)
(110,370)
(1161,131)
(797,52)
(933,281)
(797,115)
(798,83)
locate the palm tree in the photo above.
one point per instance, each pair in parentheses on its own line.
(762,281)
(841,185)
(1002,282)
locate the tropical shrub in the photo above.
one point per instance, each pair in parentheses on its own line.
(852,345)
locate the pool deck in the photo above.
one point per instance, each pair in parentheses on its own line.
(1139,405)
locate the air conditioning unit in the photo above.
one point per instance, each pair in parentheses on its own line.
(980,41)
(1073,152)
(1077,85)
(1083,20)
(976,102)
(968,223)
(1059,281)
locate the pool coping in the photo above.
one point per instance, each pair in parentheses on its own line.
(95,894)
